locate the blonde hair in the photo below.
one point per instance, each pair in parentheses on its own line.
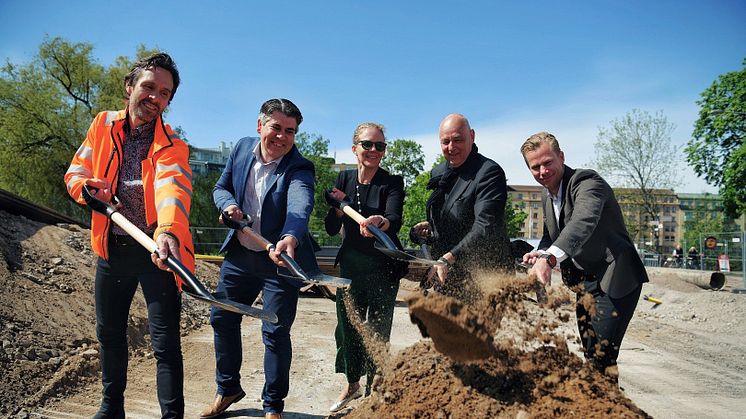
(535,141)
(362,127)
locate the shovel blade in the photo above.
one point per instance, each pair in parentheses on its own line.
(319,278)
(324,279)
(404,256)
(235,307)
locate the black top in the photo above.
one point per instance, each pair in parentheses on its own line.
(467,212)
(383,196)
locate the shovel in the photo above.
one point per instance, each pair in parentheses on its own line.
(385,245)
(539,288)
(297,272)
(192,286)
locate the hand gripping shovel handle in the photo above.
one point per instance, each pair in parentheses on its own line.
(297,272)
(388,247)
(243,225)
(382,237)
(539,288)
(193,285)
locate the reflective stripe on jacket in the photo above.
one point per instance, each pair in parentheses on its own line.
(166,179)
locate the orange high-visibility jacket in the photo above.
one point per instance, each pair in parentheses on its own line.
(166,179)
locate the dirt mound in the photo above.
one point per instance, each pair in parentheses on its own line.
(456,331)
(47,312)
(547,382)
(526,374)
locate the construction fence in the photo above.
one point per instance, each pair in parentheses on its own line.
(207,240)
(722,251)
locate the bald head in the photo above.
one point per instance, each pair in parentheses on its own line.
(456,138)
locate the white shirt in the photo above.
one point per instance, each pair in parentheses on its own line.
(260,174)
(557,205)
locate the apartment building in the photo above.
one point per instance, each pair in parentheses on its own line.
(659,232)
(206,160)
(527,198)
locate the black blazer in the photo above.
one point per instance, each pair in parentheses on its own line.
(385,197)
(472,218)
(592,231)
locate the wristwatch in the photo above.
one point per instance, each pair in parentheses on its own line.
(551,260)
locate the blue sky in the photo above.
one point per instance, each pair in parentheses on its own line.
(513,68)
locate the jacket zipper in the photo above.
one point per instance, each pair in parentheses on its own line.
(115,150)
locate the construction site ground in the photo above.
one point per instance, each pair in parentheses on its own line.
(684,358)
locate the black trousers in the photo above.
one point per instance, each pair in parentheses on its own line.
(129,264)
(602,332)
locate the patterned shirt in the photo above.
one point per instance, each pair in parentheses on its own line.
(130,192)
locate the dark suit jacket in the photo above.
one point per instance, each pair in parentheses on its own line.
(286,204)
(472,219)
(385,197)
(592,232)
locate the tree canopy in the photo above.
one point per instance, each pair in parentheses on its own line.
(315,147)
(636,152)
(717,151)
(404,158)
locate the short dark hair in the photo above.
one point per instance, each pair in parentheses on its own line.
(283,105)
(161,60)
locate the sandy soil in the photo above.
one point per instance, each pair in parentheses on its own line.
(683,358)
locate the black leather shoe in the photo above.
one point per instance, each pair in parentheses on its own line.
(109,413)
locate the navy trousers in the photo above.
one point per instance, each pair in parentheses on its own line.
(242,276)
(129,264)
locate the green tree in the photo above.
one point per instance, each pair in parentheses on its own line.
(414,206)
(704,224)
(207,232)
(316,148)
(636,152)
(404,158)
(717,151)
(46,107)
(514,219)
(203,212)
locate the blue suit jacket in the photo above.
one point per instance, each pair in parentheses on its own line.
(287,202)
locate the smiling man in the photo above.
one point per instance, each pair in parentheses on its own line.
(466,212)
(584,233)
(134,155)
(269,180)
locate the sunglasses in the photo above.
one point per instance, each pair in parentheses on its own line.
(368,145)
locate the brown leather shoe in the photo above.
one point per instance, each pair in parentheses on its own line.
(272,415)
(220,404)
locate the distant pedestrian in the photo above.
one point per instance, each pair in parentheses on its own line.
(693,258)
(678,256)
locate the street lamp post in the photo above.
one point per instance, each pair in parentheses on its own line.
(743,263)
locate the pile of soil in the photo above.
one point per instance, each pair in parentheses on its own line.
(47,312)
(471,369)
